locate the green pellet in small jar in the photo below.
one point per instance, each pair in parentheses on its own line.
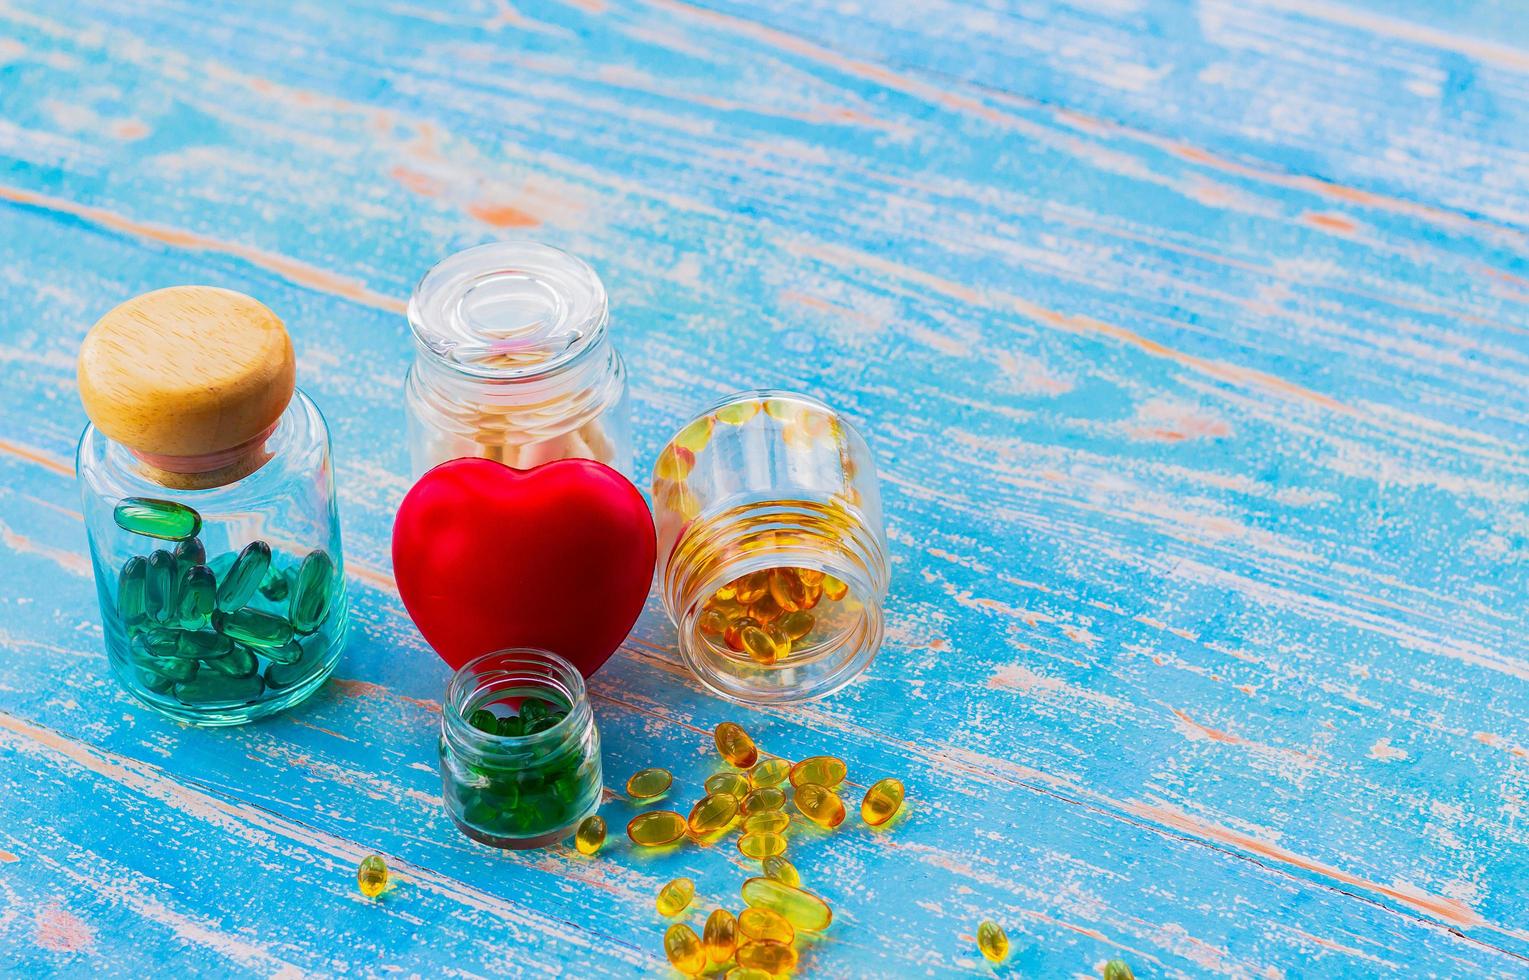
(164,519)
(244,576)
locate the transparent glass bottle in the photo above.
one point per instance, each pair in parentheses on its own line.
(772,555)
(208,498)
(514,362)
(519,750)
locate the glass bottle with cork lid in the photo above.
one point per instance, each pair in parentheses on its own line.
(772,554)
(513,362)
(208,495)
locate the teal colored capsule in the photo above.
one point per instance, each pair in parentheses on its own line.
(130,586)
(204,644)
(289,652)
(311,592)
(280,675)
(153,518)
(172,668)
(159,587)
(195,597)
(277,584)
(258,629)
(190,552)
(244,576)
(158,683)
(238,662)
(209,688)
(160,643)
(484,721)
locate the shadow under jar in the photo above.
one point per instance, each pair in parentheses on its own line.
(519,750)
(208,497)
(514,363)
(772,556)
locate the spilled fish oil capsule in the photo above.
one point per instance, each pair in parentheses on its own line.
(734,784)
(244,576)
(656,828)
(761,846)
(993,942)
(882,801)
(591,834)
(163,519)
(763,924)
(310,596)
(769,772)
(783,871)
(805,911)
(259,629)
(372,876)
(1118,969)
(768,956)
(748,973)
(675,897)
(764,798)
(734,744)
(649,784)
(712,814)
(820,805)
(767,822)
(720,936)
(825,770)
(684,950)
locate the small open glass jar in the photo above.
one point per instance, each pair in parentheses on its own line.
(772,555)
(514,362)
(520,754)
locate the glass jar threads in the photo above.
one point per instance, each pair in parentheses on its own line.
(772,555)
(520,754)
(209,501)
(514,362)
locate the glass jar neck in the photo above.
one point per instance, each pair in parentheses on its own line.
(830,537)
(516,673)
(579,385)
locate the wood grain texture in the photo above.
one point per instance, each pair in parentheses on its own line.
(1193,343)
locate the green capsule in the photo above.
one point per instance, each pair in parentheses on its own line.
(311,593)
(238,662)
(159,587)
(244,576)
(158,683)
(195,597)
(289,652)
(220,689)
(484,721)
(279,675)
(277,584)
(204,645)
(130,585)
(152,518)
(190,552)
(258,629)
(1118,969)
(533,710)
(510,725)
(171,668)
(160,644)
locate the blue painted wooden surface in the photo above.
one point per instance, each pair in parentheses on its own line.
(1193,341)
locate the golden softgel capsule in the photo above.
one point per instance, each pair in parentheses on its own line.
(993,942)
(591,834)
(769,772)
(734,784)
(1117,969)
(763,924)
(720,936)
(767,822)
(820,805)
(656,828)
(783,871)
(372,876)
(882,801)
(713,814)
(767,956)
(684,950)
(825,770)
(734,744)
(649,784)
(675,897)
(761,846)
(804,910)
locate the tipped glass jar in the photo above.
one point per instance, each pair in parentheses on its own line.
(208,497)
(514,362)
(520,754)
(772,556)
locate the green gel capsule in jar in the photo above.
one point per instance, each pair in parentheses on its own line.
(523,790)
(205,474)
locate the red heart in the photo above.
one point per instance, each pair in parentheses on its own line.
(558,557)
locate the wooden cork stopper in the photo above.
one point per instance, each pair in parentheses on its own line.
(191,379)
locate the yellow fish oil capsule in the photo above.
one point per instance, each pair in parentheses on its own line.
(712,814)
(720,936)
(767,956)
(882,801)
(748,973)
(1117,969)
(675,897)
(684,949)
(767,822)
(761,846)
(825,770)
(834,589)
(992,941)
(797,625)
(649,784)
(735,745)
(764,798)
(769,772)
(759,924)
(372,876)
(764,645)
(805,911)
(783,871)
(752,587)
(820,805)
(734,784)
(591,834)
(656,828)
